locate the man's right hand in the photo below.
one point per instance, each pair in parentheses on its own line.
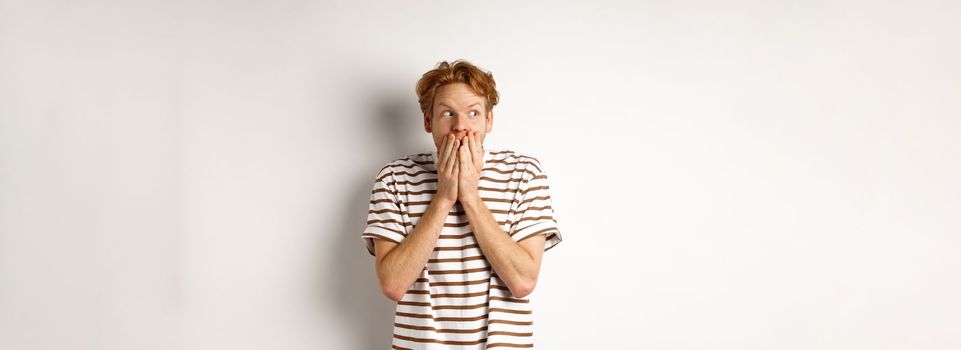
(447,171)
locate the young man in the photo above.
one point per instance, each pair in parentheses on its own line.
(458,233)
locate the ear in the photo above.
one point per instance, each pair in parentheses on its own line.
(490,120)
(427,126)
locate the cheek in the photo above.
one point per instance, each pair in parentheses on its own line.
(479,125)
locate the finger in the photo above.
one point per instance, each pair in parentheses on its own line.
(452,158)
(448,152)
(466,160)
(441,154)
(476,147)
(473,142)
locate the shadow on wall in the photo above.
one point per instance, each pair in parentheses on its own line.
(367,315)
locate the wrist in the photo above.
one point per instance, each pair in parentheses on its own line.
(443,204)
(471,203)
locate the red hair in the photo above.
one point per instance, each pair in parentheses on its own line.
(460,71)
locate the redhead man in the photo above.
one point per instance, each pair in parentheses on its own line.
(458,233)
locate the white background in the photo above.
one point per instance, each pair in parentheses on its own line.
(726,175)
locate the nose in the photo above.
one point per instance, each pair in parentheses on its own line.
(460,127)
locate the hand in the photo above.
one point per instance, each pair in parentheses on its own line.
(447,171)
(471,157)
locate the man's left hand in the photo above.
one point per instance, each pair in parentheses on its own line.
(471,157)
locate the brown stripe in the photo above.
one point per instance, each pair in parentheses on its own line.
(456,213)
(529,236)
(407,193)
(445,342)
(395,347)
(492,189)
(459,295)
(497,309)
(381,211)
(383,190)
(381,237)
(446,224)
(502,152)
(502,200)
(444,260)
(391,230)
(536,163)
(383,200)
(459,283)
(448,295)
(408,166)
(465,271)
(405,173)
(540,208)
(535,188)
(385,221)
(442,307)
(459,307)
(465,223)
(460,213)
(549,237)
(408,183)
(509,345)
(485,199)
(442,330)
(514,334)
(535,218)
(510,171)
(412,303)
(506,162)
(503,181)
(512,300)
(535,233)
(533,199)
(516,323)
(456,236)
(441,319)
(469,246)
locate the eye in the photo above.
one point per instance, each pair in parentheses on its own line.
(473,113)
(447,114)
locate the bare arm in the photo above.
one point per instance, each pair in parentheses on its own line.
(398,265)
(516,263)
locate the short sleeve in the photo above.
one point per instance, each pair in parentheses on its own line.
(384,217)
(534,214)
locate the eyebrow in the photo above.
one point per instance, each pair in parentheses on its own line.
(445,105)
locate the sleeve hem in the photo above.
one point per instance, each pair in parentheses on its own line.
(376,232)
(544,227)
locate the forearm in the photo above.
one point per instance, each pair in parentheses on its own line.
(511,262)
(402,265)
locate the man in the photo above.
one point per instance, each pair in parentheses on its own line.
(458,233)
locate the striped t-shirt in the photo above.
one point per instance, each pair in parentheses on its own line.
(458,301)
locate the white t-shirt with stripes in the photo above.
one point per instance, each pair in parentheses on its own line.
(458,301)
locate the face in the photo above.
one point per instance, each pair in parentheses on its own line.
(457,110)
